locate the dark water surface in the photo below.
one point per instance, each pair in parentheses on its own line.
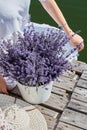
(75,12)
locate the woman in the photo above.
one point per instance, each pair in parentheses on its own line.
(14,15)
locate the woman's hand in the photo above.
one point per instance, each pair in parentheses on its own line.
(77,41)
(3,86)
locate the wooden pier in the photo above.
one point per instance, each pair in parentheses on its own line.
(66,109)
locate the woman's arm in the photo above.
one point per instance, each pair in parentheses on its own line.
(52,8)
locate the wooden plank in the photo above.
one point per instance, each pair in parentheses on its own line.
(47,111)
(80,94)
(74,118)
(70,74)
(58,91)
(64,126)
(85,71)
(65,83)
(82,83)
(56,102)
(84,76)
(81,91)
(6,100)
(79,66)
(50,122)
(78,105)
(79,97)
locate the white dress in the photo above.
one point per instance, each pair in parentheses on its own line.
(13,17)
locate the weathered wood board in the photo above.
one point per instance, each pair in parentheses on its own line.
(65,83)
(79,66)
(56,102)
(58,91)
(70,74)
(85,71)
(48,112)
(80,94)
(84,76)
(78,106)
(82,83)
(65,126)
(74,118)
(50,122)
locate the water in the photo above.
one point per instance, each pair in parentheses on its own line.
(75,12)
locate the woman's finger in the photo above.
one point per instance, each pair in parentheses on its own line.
(80,46)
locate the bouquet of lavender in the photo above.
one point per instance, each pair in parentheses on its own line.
(36,58)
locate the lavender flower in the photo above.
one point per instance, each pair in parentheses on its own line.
(35,58)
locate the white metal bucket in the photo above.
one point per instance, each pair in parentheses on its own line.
(35,97)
